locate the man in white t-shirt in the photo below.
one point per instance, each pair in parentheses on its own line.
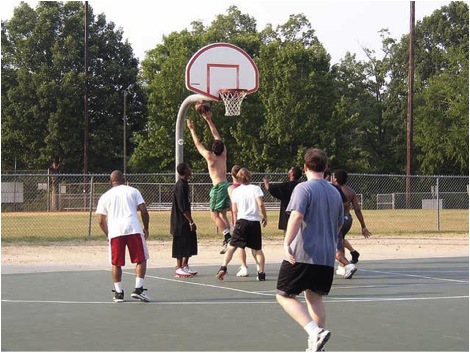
(117,215)
(247,204)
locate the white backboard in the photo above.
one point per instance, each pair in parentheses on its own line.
(221,66)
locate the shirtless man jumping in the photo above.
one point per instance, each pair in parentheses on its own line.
(216,160)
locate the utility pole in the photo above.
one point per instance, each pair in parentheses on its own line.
(86,123)
(409,122)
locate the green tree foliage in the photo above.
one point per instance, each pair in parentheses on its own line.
(43,89)
(441,128)
(163,73)
(376,93)
(355,110)
(440,116)
(296,93)
(375,138)
(354,114)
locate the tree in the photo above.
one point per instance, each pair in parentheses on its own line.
(441,93)
(441,127)
(353,115)
(356,111)
(162,75)
(43,84)
(368,138)
(296,93)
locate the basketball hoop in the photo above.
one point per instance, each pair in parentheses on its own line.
(232,99)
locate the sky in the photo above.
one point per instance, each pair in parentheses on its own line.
(341,26)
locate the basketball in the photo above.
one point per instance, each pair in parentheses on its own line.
(202,107)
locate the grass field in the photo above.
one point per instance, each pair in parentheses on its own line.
(78,226)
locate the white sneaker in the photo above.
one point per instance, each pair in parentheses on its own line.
(138,293)
(317,342)
(224,248)
(180,273)
(242,272)
(340,271)
(349,271)
(190,271)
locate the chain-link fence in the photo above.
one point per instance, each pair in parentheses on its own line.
(391,204)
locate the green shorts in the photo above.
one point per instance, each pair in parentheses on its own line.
(219,199)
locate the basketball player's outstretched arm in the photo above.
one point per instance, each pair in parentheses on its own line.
(200,147)
(208,117)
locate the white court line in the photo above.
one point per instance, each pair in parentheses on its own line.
(416,276)
(443,271)
(201,284)
(52,301)
(271,293)
(399,285)
(225,303)
(359,300)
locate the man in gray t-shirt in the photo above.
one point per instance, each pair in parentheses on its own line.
(310,247)
(316,199)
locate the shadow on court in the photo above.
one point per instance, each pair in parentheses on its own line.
(399,305)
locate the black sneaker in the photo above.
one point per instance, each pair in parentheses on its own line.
(138,293)
(354,257)
(118,297)
(261,276)
(221,273)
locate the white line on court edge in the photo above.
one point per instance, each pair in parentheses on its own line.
(202,284)
(378,286)
(393,299)
(336,300)
(416,276)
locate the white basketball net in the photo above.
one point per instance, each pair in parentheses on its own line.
(232,99)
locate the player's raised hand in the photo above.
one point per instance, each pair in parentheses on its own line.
(190,124)
(207,115)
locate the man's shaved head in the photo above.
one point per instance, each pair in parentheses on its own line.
(117,177)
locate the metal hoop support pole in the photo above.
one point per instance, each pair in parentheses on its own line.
(179,141)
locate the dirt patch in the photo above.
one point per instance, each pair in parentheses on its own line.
(18,258)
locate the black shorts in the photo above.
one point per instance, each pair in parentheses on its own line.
(294,279)
(247,234)
(346,226)
(343,231)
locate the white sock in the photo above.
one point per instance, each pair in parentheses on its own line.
(226,231)
(118,287)
(139,282)
(311,328)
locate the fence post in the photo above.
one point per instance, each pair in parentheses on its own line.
(90,207)
(438,208)
(48,208)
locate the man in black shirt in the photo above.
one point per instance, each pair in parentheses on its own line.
(282,192)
